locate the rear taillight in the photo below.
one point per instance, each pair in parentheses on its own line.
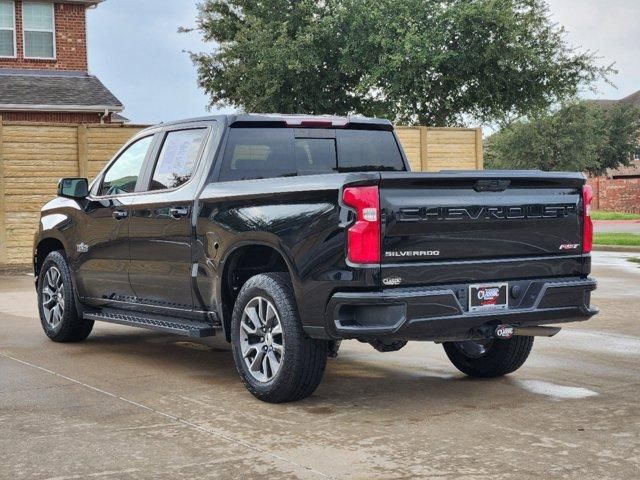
(363,237)
(587,224)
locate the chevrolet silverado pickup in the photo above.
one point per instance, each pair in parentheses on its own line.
(288,234)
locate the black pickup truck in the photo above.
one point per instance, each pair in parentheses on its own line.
(288,234)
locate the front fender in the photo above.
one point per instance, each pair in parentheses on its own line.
(57,223)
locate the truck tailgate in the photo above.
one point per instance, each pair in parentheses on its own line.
(457,216)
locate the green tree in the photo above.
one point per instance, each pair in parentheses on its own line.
(578,136)
(433,62)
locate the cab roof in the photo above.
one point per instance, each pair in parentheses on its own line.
(284,120)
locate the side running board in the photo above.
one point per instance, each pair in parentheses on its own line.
(179,326)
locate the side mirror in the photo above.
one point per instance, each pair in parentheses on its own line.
(73,187)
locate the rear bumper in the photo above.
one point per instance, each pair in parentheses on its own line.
(440,313)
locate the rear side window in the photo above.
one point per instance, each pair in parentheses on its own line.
(279,152)
(178,157)
(258,153)
(361,150)
(316,155)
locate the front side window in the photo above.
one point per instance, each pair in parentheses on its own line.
(7,29)
(123,174)
(39,30)
(178,158)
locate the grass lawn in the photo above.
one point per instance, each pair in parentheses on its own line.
(602,215)
(627,239)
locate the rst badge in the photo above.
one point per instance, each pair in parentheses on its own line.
(82,247)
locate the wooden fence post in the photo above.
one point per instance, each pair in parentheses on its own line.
(424,149)
(3,207)
(479,150)
(83,158)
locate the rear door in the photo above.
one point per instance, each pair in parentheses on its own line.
(161,222)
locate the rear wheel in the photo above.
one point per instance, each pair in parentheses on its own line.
(489,358)
(56,302)
(275,359)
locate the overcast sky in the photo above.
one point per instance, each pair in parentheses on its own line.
(134,48)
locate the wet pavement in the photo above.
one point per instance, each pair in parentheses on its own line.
(130,403)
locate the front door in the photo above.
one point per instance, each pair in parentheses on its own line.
(102,261)
(161,230)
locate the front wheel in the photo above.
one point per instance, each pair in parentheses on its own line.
(56,302)
(489,358)
(275,359)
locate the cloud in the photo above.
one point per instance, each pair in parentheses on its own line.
(610,28)
(137,52)
(135,49)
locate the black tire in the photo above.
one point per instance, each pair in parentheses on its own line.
(502,357)
(67,326)
(304,359)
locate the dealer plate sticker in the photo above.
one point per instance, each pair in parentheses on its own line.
(488,296)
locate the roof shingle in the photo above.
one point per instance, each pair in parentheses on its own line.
(20,88)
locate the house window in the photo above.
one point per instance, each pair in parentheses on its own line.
(39,30)
(7,29)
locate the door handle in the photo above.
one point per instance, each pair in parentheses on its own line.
(120,214)
(178,212)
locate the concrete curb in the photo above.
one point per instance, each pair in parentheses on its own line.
(616,248)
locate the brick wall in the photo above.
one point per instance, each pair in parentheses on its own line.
(71,41)
(616,194)
(54,117)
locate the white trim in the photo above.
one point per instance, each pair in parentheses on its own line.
(86,35)
(59,108)
(15,39)
(52,32)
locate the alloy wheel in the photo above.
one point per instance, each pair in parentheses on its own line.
(53,297)
(261,339)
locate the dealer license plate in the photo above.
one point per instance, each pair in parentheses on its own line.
(488,296)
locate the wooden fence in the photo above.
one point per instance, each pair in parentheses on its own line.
(432,149)
(33,157)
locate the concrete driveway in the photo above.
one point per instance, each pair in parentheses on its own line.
(130,403)
(616,226)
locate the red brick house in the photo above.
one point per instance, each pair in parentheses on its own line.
(43,65)
(619,189)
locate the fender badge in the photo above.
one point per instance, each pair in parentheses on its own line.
(82,247)
(392,281)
